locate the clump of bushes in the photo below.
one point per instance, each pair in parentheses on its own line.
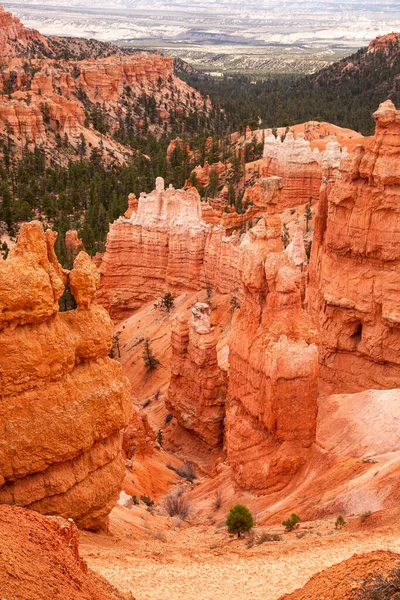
(186,471)
(146,500)
(239,520)
(177,505)
(291,523)
(150,361)
(268,537)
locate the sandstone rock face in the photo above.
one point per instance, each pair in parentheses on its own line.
(272,403)
(104,79)
(198,387)
(73,244)
(63,401)
(40,557)
(132,206)
(47,96)
(220,215)
(383,42)
(161,247)
(300,168)
(296,249)
(266,193)
(22,120)
(203,173)
(164,246)
(14,37)
(179,144)
(354,272)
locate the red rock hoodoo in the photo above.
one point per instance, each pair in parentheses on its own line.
(198,387)
(164,246)
(354,271)
(272,403)
(300,167)
(63,401)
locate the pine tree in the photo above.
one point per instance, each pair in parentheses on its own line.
(150,361)
(308,215)
(213,183)
(231,194)
(239,520)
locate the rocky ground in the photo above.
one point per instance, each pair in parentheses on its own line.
(204,562)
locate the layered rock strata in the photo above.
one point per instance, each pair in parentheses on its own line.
(63,401)
(15,38)
(164,246)
(271,411)
(301,168)
(355,264)
(198,387)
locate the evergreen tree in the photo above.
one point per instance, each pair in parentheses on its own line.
(239,520)
(150,361)
(308,215)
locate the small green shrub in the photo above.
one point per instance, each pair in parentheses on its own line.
(239,520)
(135,500)
(291,523)
(340,522)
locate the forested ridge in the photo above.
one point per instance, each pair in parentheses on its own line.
(345,93)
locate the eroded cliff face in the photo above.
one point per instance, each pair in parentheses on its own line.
(63,401)
(44,96)
(354,271)
(300,168)
(164,246)
(160,247)
(272,403)
(198,387)
(15,38)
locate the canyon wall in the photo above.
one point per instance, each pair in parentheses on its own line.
(198,387)
(354,273)
(103,79)
(271,409)
(63,401)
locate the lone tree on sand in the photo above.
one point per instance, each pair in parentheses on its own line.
(239,520)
